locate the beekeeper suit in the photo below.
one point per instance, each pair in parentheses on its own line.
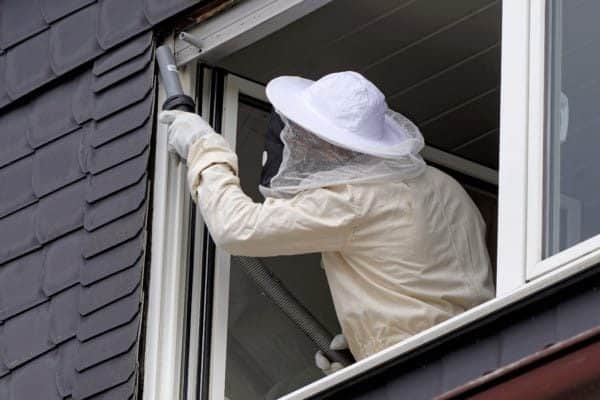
(402,243)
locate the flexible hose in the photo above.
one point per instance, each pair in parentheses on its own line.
(291,307)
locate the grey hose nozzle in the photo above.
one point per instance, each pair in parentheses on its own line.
(176,99)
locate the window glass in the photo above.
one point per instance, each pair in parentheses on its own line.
(267,355)
(571,200)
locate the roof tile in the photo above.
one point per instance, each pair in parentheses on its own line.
(110,289)
(65,319)
(50,115)
(26,336)
(120,20)
(83,99)
(120,96)
(60,212)
(122,122)
(104,347)
(113,207)
(17,233)
(114,260)
(119,150)
(53,10)
(158,10)
(66,376)
(121,72)
(4,98)
(58,164)
(42,371)
(13,140)
(122,54)
(63,263)
(17,177)
(106,375)
(21,284)
(114,233)
(117,178)
(28,65)
(19,20)
(105,319)
(123,391)
(73,40)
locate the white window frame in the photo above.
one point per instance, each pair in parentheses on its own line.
(539,121)
(521,118)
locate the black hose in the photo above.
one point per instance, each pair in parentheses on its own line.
(291,307)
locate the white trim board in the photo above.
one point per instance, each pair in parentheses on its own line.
(236,28)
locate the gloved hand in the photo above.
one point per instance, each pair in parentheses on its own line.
(184,129)
(323,363)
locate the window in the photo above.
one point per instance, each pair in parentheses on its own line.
(565,202)
(210,331)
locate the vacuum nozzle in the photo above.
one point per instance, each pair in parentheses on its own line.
(176,99)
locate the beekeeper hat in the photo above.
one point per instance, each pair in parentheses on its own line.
(345,109)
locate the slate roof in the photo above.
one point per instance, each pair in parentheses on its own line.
(77,98)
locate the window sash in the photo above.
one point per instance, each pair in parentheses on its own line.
(542,80)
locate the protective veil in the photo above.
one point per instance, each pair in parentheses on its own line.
(309,162)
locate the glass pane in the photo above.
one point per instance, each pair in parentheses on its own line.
(572,140)
(267,355)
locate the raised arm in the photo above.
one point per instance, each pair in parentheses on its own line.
(312,221)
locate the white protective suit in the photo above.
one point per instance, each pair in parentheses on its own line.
(400,255)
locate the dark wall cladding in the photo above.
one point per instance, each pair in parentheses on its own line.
(74,154)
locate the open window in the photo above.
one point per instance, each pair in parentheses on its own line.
(439,63)
(564,202)
(424,59)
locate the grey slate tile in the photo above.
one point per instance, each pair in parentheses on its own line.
(73,41)
(13,140)
(107,346)
(50,115)
(122,54)
(19,20)
(157,10)
(28,65)
(21,284)
(114,260)
(58,163)
(110,317)
(123,71)
(113,207)
(53,10)
(3,371)
(41,370)
(60,212)
(106,375)
(114,233)
(108,290)
(123,391)
(121,149)
(66,376)
(122,122)
(17,233)
(64,317)
(117,178)
(26,336)
(4,98)
(120,20)
(17,177)
(62,263)
(120,96)
(82,104)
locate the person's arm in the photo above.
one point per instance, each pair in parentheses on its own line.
(312,221)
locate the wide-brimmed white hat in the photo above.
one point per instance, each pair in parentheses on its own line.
(343,108)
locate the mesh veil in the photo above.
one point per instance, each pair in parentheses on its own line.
(309,162)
